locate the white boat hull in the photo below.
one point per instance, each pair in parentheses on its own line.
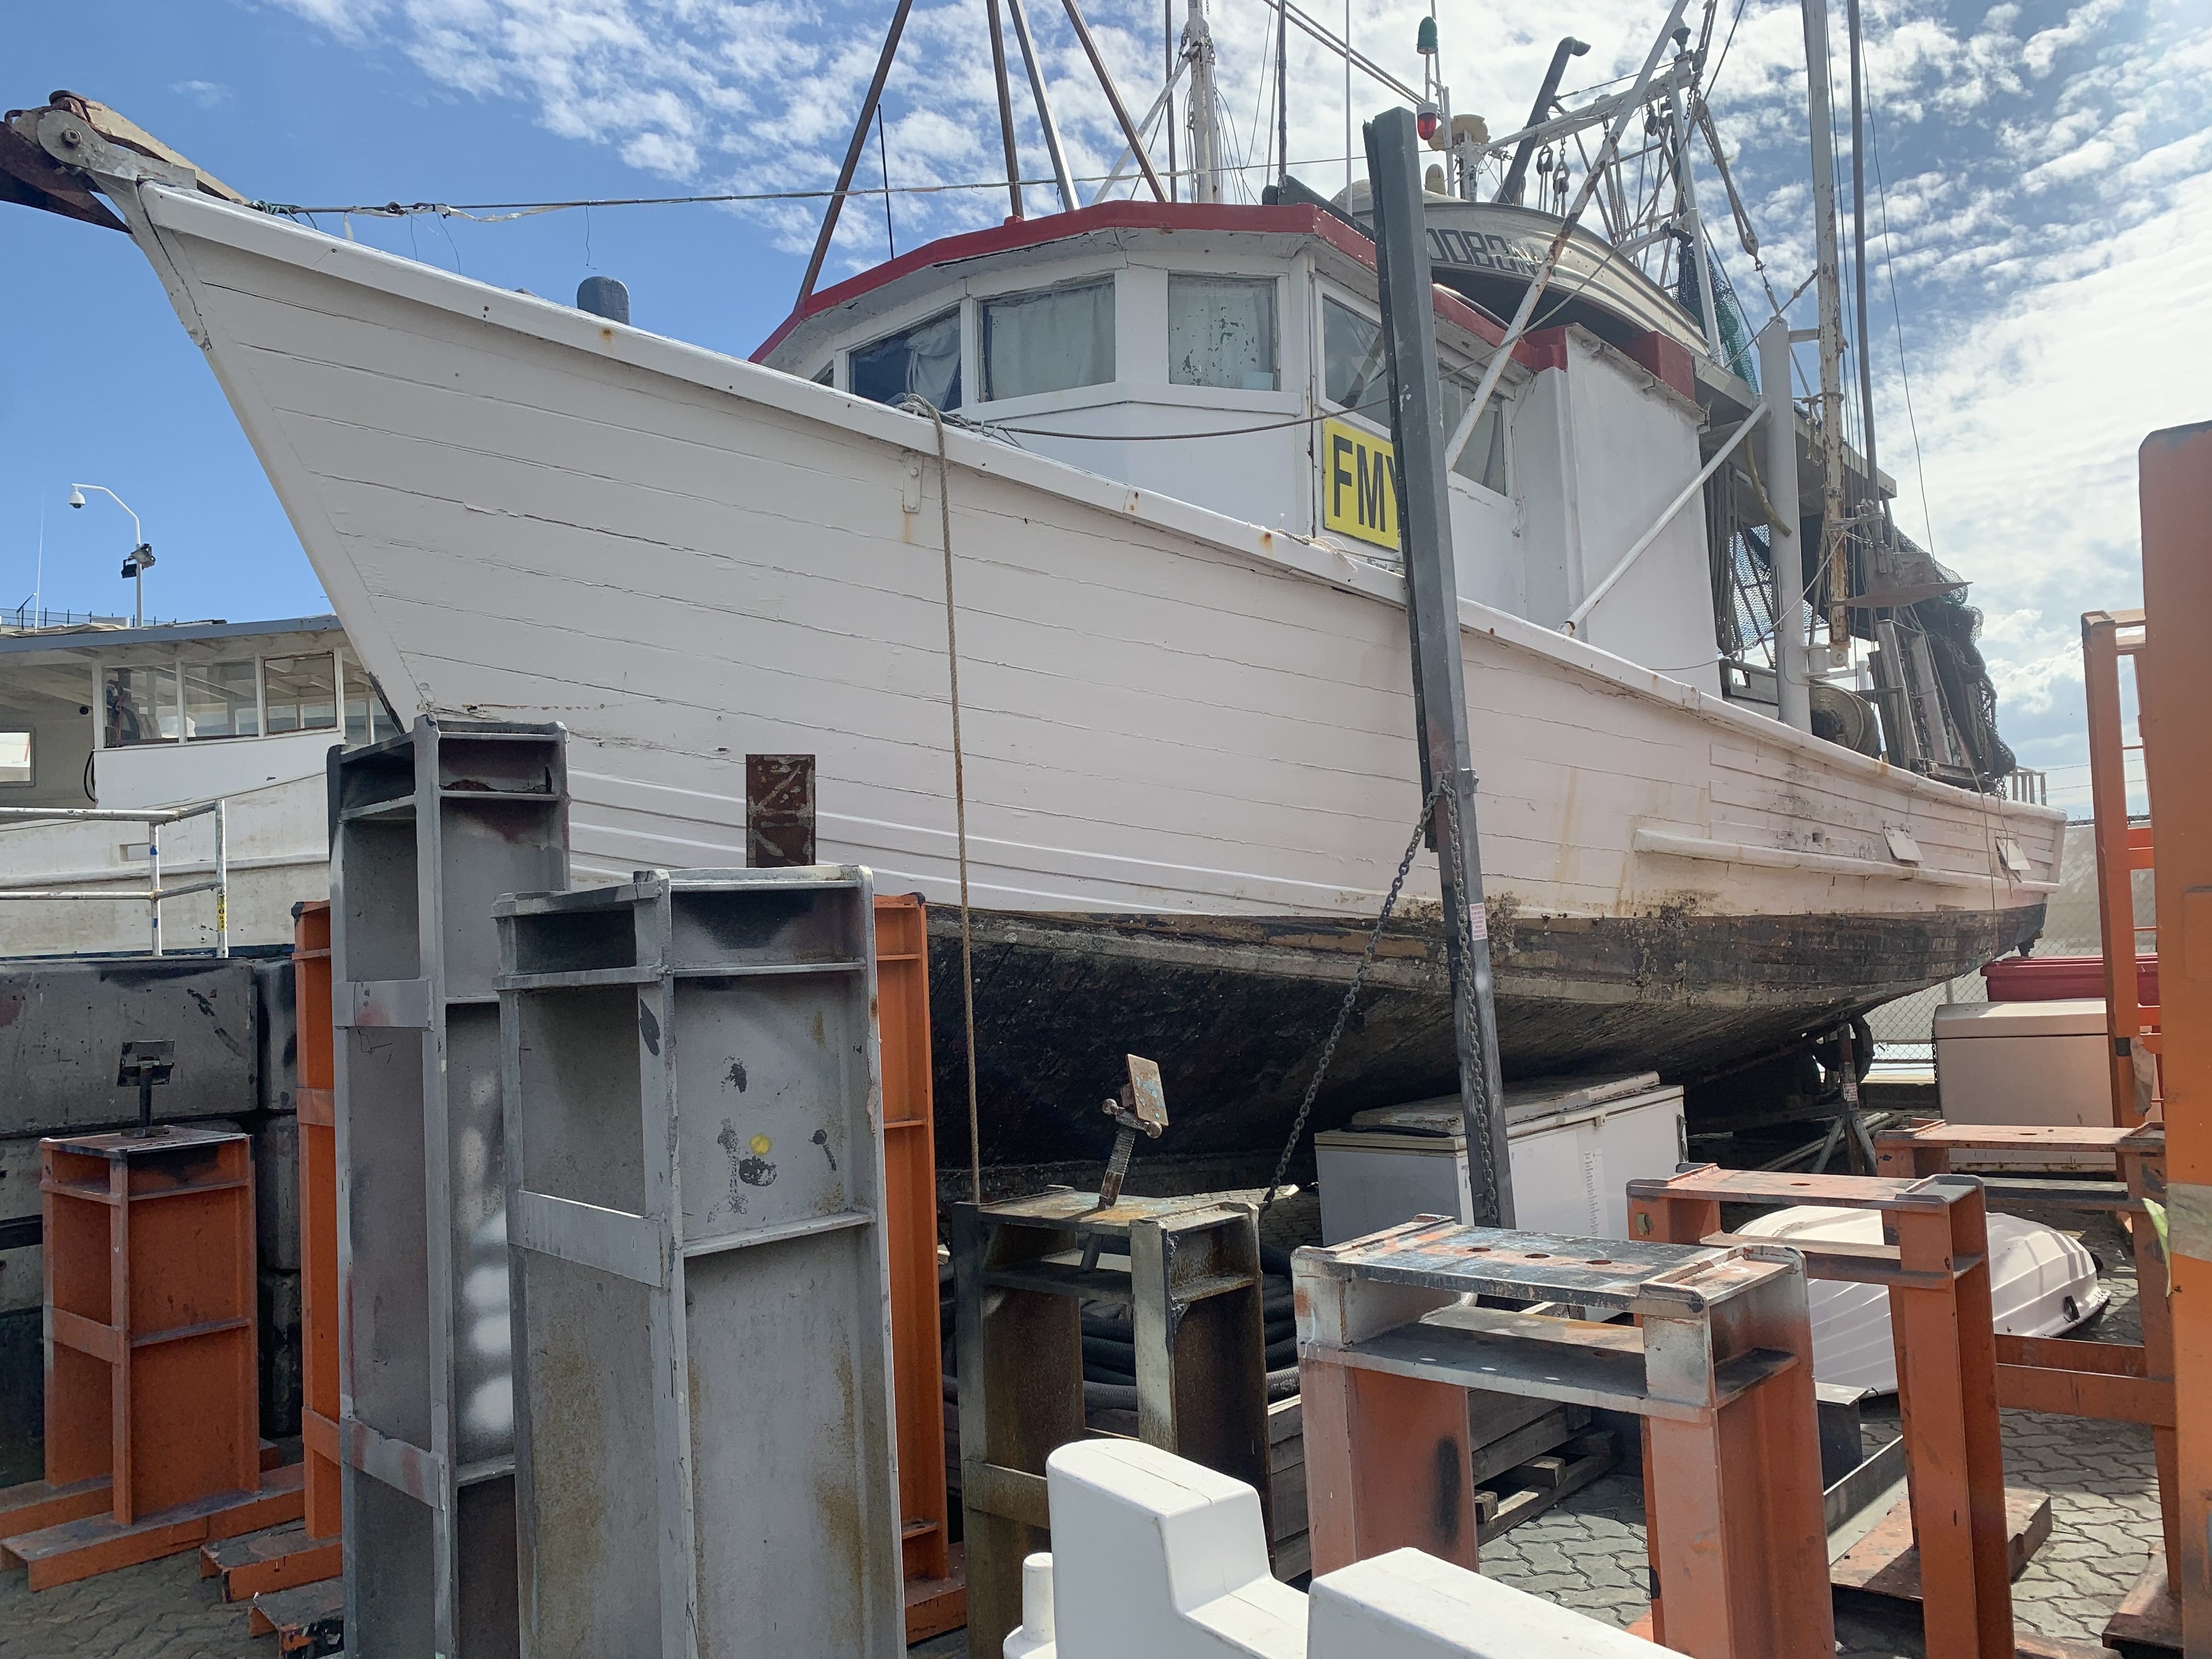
(1189,740)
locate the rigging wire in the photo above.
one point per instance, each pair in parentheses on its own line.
(1897,322)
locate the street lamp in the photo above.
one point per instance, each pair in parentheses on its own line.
(138,561)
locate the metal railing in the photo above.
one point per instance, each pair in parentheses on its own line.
(153,893)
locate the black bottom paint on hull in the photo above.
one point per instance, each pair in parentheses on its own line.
(1235,1008)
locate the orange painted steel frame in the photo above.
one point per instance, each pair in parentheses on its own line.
(149,1328)
(1721,1374)
(910,1212)
(2122,849)
(2174,688)
(1936,1263)
(319,1217)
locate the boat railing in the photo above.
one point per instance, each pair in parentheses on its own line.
(153,894)
(2026,784)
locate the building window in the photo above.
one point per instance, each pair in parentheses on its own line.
(301,693)
(14,757)
(141,707)
(220,699)
(1483,461)
(924,360)
(368,719)
(1051,341)
(1353,373)
(827,374)
(1221,332)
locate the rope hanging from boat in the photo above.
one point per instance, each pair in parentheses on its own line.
(1351,995)
(917,406)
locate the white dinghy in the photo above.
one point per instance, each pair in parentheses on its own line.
(2042,1283)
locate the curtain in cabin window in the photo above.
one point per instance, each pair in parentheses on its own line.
(1049,340)
(924,360)
(1221,332)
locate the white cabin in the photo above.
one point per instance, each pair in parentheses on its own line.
(1130,327)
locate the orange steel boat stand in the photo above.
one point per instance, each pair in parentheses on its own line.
(936,1592)
(1936,1267)
(2113,1382)
(262,1563)
(150,1384)
(2173,685)
(1721,1372)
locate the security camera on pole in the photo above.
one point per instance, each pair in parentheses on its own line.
(138,561)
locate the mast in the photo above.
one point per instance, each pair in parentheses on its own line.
(1205,128)
(1858,254)
(1693,226)
(1835,581)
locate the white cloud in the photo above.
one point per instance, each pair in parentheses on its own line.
(208,94)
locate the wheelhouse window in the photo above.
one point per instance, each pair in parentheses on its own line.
(220,699)
(1053,340)
(139,706)
(301,693)
(924,360)
(14,757)
(1483,461)
(367,718)
(1221,332)
(1353,373)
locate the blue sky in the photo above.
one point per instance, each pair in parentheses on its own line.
(2048,173)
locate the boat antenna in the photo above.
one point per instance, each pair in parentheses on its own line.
(852,150)
(883,160)
(1517,176)
(1859,255)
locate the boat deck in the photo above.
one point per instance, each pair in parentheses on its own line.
(1588,1552)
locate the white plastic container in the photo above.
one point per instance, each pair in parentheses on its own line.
(1576,1145)
(2024,1062)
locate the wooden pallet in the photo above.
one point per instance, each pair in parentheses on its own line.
(1885,1562)
(310,1619)
(275,1559)
(77,1549)
(1529,1488)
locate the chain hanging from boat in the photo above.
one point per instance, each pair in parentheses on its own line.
(1478,1141)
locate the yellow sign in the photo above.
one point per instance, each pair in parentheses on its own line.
(1358,488)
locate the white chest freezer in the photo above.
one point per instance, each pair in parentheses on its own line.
(2024,1062)
(1576,1142)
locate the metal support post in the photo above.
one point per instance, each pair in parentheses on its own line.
(2124,847)
(1935,1264)
(427,829)
(1785,541)
(1391,1341)
(703,1304)
(1409,326)
(2174,686)
(1192,1283)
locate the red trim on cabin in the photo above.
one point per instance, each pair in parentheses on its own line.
(1667,358)
(1126,215)
(1544,348)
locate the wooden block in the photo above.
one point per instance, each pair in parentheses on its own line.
(1287,1506)
(1293,1558)
(96,1544)
(1534,1487)
(308,1620)
(934,1606)
(275,1559)
(2148,1620)
(1525,1441)
(1545,1473)
(1885,1563)
(1286,1418)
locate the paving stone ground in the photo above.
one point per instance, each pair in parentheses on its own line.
(1588,1552)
